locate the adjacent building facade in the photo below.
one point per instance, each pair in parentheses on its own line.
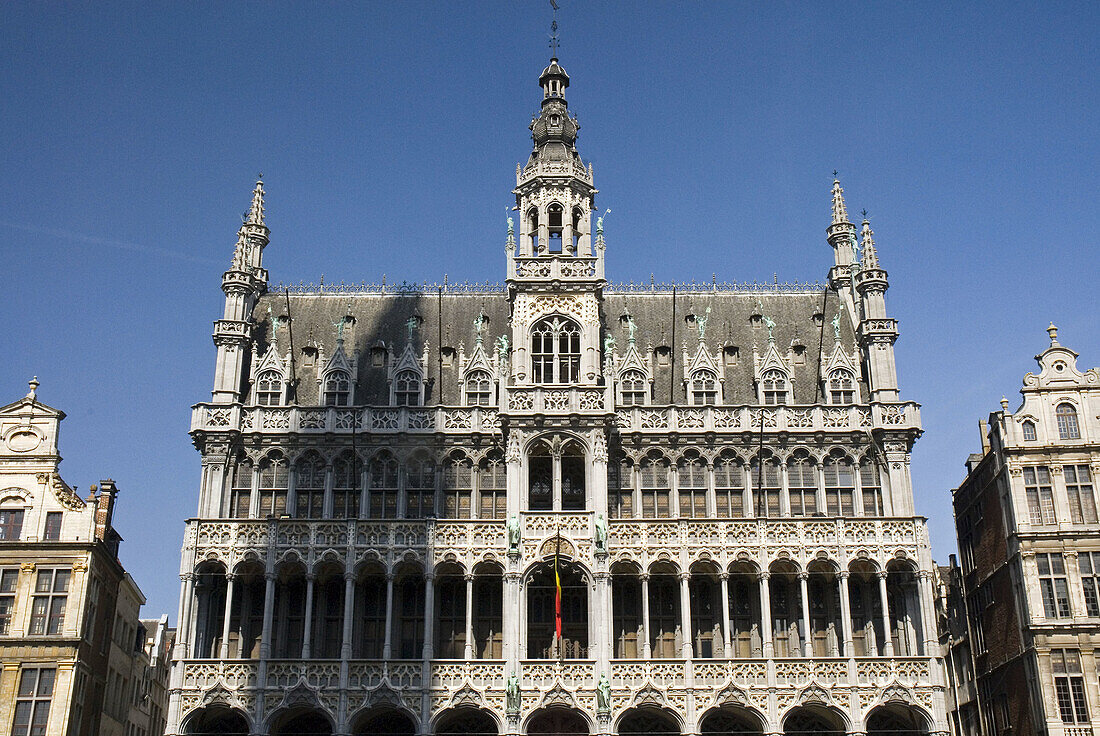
(1028,624)
(556,505)
(68,610)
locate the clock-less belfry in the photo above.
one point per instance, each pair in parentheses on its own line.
(462,509)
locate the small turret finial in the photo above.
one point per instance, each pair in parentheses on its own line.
(554,40)
(1053,332)
(840,209)
(1004,403)
(256,211)
(33,393)
(870,255)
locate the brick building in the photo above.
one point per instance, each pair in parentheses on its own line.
(1028,623)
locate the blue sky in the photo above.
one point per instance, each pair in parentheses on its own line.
(388,135)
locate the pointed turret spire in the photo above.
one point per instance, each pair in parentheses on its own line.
(256,211)
(870,255)
(840,209)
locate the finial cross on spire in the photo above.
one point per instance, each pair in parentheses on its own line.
(835,172)
(864,213)
(554,40)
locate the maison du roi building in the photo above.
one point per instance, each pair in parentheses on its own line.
(75,659)
(718,475)
(1024,629)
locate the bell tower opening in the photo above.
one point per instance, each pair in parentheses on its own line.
(555,227)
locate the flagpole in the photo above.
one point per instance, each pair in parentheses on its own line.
(557,597)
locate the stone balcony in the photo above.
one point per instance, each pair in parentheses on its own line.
(331,419)
(433,540)
(555,267)
(815,418)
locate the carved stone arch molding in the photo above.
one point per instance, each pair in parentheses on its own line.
(467,695)
(15,492)
(558,695)
(219,694)
(384,694)
(648,694)
(896,693)
(731,695)
(301,695)
(815,694)
(562,546)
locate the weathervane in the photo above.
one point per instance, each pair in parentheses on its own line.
(554,30)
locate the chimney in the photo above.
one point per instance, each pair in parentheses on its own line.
(104,508)
(983,428)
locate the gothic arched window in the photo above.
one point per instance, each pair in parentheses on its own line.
(555,351)
(479,389)
(406,389)
(337,388)
(1068,428)
(632,385)
(269,388)
(841,387)
(704,388)
(774,387)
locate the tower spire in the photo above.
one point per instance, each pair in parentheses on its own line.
(840,209)
(255,214)
(841,235)
(870,255)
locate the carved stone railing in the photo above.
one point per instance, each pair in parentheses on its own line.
(556,267)
(764,534)
(231,539)
(341,420)
(565,400)
(815,418)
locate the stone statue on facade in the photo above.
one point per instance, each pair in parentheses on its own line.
(601,533)
(603,694)
(513,535)
(512,694)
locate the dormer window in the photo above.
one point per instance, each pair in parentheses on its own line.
(479,389)
(841,387)
(774,387)
(269,388)
(1029,431)
(1068,428)
(337,389)
(406,389)
(632,385)
(704,388)
(555,351)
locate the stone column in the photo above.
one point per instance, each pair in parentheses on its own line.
(187,594)
(429,615)
(511,617)
(803,584)
(269,615)
(254,493)
(927,613)
(727,642)
(647,650)
(307,629)
(888,644)
(602,641)
(349,613)
(766,615)
(685,615)
(846,615)
(387,646)
(469,652)
(224,649)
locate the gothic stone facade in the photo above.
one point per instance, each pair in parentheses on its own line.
(68,610)
(719,472)
(1026,516)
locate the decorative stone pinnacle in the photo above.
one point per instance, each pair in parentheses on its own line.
(1053,332)
(840,210)
(870,255)
(33,393)
(256,211)
(1004,403)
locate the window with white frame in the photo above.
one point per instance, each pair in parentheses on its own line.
(632,388)
(406,388)
(704,388)
(51,591)
(555,351)
(1028,428)
(1068,428)
(479,389)
(269,388)
(1089,564)
(1040,498)
(9,578)
(1082,503)
(1053,585)
(841,387)
(1069,685)
(32,704)
(774,387)
(337,388)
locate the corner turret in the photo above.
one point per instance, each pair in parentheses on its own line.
(877,331)
(841,235)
